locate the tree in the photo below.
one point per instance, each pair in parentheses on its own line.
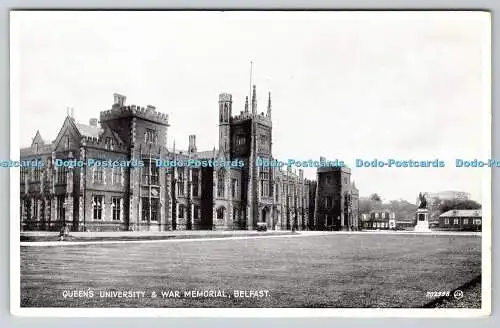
(375,198)
(366,205)
(456,204)
(403,209)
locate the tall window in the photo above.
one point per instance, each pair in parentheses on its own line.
(24,174)
(455,221)
(97,203)
(61,174)
(220,184)
(182,210)
(109,143)
(151,136)
(35,210)
(220,213)
(145,208)
(145,172)
(234,188)
(263,140)
(98,174)
(196,180)
(150,209)
(196,213)
(115,204)
(155,209)
(180,182)
(329,202)
(117,175)
(60,207)
(150,173)
(264,182)
(276,192)
(466,221)
(154,175)
(240,140)
(36,175)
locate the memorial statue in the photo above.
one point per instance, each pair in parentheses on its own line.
(423,201)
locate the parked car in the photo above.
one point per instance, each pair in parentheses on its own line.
(261,226)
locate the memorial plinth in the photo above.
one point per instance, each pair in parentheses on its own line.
(422,220)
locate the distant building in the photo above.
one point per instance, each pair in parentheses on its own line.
(469,220)
(382,220)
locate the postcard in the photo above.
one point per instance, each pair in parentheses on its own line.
(250,163)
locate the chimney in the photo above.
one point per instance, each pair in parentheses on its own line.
(192,143)
(93,122)
(119,100)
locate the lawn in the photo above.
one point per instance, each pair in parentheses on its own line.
(338,270)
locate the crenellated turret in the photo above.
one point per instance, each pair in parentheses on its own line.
(120,110)
(225,107)
(119,100)
(192,144)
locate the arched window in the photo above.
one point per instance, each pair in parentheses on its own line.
(182,209)
(220,184)
(220,213)
(180,182)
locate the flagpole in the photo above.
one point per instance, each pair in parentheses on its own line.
(250,87)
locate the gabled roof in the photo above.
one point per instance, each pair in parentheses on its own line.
(461,213)
(88,130)
(37,139)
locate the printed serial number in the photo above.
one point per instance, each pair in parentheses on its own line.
(438,294)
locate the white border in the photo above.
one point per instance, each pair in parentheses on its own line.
(486,183)
(15,296)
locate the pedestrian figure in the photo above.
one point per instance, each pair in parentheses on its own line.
(62,232)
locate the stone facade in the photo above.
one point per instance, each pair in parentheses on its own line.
(142,196)
(337,199)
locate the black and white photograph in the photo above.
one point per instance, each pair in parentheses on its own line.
(250,163)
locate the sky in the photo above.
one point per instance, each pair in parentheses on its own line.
(344,85)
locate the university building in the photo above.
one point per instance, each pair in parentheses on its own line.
(96,198)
